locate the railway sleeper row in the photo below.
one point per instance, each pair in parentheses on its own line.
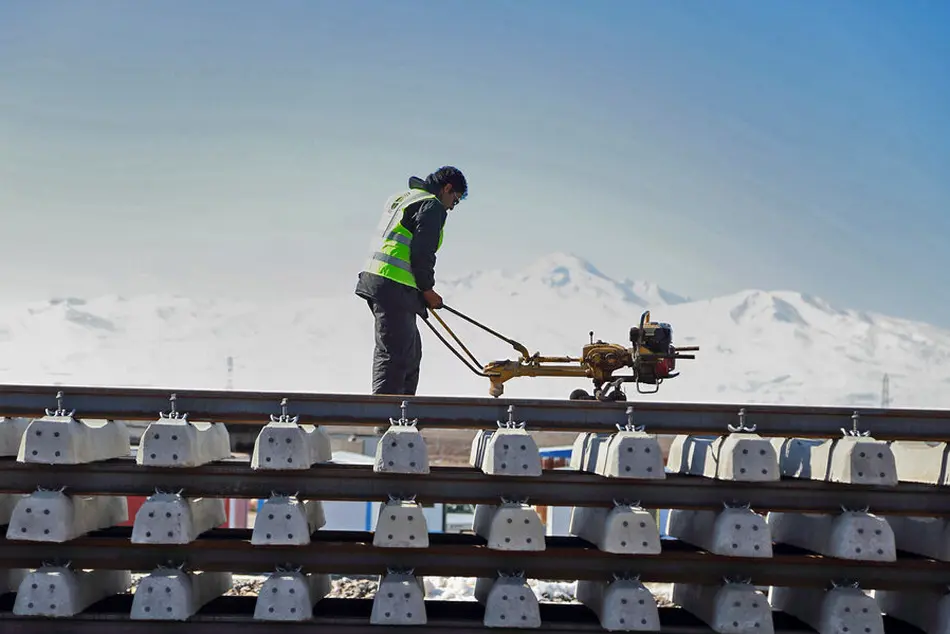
(625,528)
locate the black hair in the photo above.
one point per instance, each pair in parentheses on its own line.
(447,175)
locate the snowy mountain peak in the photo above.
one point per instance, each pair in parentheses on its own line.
(560,269)
(786,307)
(568,276)
(654,294)
(67,301)
(761,305)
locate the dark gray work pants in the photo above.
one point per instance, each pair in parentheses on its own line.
(398,351)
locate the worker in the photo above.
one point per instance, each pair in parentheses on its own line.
(399,277)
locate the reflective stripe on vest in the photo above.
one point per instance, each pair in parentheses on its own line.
(391,258)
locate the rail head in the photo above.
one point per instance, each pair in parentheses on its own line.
(470,413)
(235,478)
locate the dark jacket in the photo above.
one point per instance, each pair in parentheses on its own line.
(424,220)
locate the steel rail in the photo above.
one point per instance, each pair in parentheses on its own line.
(256,408)
(225,615)
(453,555)
(465,485)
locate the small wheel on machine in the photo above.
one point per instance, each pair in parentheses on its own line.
(611,396)
(580,395)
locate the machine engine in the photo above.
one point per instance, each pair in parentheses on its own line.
(651,357)
(657,354)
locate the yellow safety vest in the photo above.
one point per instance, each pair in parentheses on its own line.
(390,257)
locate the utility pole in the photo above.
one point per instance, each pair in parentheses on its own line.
(230,383)
(886,392)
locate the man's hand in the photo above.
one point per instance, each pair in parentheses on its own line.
(433,299)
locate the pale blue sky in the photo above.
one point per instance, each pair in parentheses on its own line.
(244,147)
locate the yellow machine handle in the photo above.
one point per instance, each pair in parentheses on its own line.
(478,365)
(517,346)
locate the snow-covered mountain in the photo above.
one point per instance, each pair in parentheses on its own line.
(755,346)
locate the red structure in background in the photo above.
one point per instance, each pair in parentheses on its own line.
(236,511)
(554,462)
